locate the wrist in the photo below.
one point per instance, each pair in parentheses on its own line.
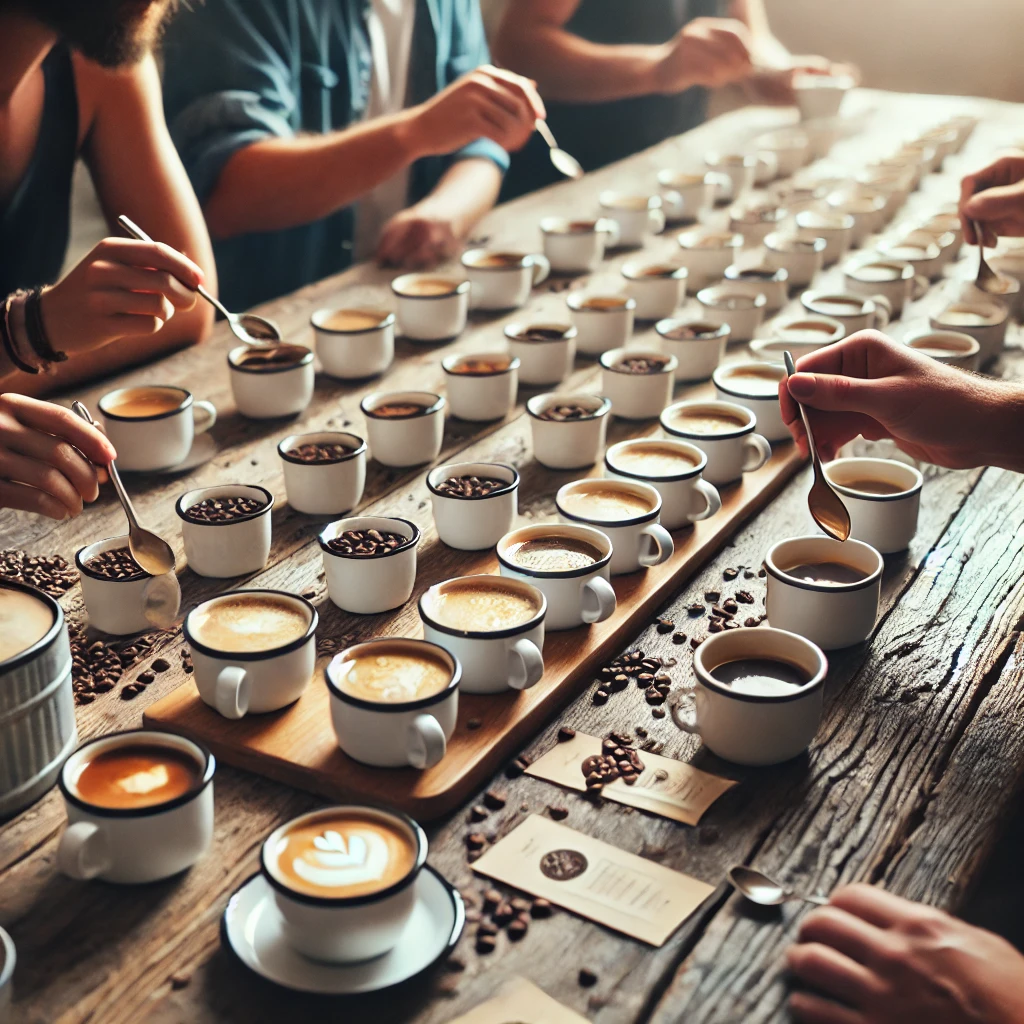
(412,134)
(662,76)
(1001,424)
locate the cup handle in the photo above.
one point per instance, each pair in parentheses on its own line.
(426,742)
(656,545)
(686,720)
(541,269)
(759,451)
(883,311)
(610,228)
(525,665)
(712,500)
(203,423)
(233,692)
(598,600)
(657,220)
(919,286)
(84,851)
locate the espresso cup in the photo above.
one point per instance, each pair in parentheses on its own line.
(503,280)
(724,432)
(394,701)
(569,565)
(658,288)
(986,322)
(354,343)
(627,512)
(755,385)
(790,146)
(685,196)
(1005,289)
(807,333)
(493,625)
(829,614)
(938,225)
(431,307)
(696,344)
(365,579)
(866,208)
(724,304)
(922,253)
(546,352)
(706,253)
(153,427)
(756,220)
(799,195)
(228,542)
(481,386)
(820,95)
(773,284)
(324,472)
(637,381)
(474,503)
(568,430)
(602,320)
(854,312)
(577,246)
(836,228)
(404,428)
(638,216)
(756,719)
(894,280)
(139,807)
(270,383)
(894,183)
(343,880)
(739,170)
(253,650)
(801,256)
(951,347)
(949,242)
(944,140)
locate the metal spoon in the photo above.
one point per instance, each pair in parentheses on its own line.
(987,279)
(827,508)
(564,162)
(153,553)
(765,891)
(247,327)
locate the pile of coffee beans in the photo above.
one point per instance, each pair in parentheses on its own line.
(641,364)
(49,573)
(568,411)
(320,452)
(97,666)
(223,510)
(116,564)
(618,760)
(366,543)
(513,915)
(470,486)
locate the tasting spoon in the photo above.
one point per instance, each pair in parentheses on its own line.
(564,162)
(827,508)
(765,891)
(246,327)
(152,553)
(987,279)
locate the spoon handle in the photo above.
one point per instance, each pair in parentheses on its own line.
(811,447)
(818,901)
(545,133)
(115,478)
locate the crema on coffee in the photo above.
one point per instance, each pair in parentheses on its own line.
(553,554)
(248,622)
(141,403)
(707,422)
(136,775)
(391,675)
(649,458)
(604,504)
(480,607)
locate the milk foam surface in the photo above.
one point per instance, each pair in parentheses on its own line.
(481,609)
(604,505)
(392,677)
(653,460)
(247,623)
(24,621)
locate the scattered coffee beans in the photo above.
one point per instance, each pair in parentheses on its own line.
(641,364)
(587,977)
(319,452)
(366,543)
(618,760)
(116,564)
(561,413)
(470,486)
(223,510)
(49,573)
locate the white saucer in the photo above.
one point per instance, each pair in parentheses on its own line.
(251,929)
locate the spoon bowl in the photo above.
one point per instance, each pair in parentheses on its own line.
(565,163)
(987,279)
(759,888)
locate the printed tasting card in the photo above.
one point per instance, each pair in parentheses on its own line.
(591,878)
(666,786)
(521,1001)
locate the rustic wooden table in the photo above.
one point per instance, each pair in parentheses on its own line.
(914,767)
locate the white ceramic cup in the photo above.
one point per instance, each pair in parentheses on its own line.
(895,280)
(724,304)
(799,194)
(706,253)
(696,357)
(790,146)
(576,597)
(401,441)
(394,734)
(577,246)
(324,488)
(801,256)
(358,353)
(773,284)
(637,396)
(602,320)
(546,352)
(638,216)
(474,524)
(767,167)
(810,331)
(659,287)
(685,196)
(236,547)
(160,441)
(368,586)
(820,95)
(988,329)
(493,661)
(951,347)
(274,391)
(739,170)
(8,960)
(836,228)
(922,253)
(507,286)
(485,396)
(730,386)
(854,312)
(829,616)
(866,209)
(568,444)
(755,220)
(432,318)
(139,844)
(731,453)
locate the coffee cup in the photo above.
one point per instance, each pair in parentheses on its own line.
(826,590)
(153,427)
(1004,289)
(503,280)
(924,153)
(481,386)
(922,253)
(938,225)
(659,288)
(755,385)
(949,242)
(855,312)
(394,701)
(773,350)
(324,472)
(603,320)
(271,382)
(568,429)
(985,321)
(627,512)
(801,256)
(706,253)
(577,246)
(546,352)
(431,307)
(895,183)
(685,196)
(790,146)
(835,227)
(759,695)
(696,344)
(8,960)
(866,208)
(343,880)
(569,565)
(820,95)
(253,650)
(755,220)
(369,574)
(773,284)
(139,807)
(354,342)
(738,169)
(894,280)
(226,529)
(945,141)
(799,195)
(882,496)
(905,164)
(963,125)
(404,428)
(951,347)
(638,216)
(474,503)
(767,169)
(637,381)
(724,432)
(493,625)
(741,311)
(807,333)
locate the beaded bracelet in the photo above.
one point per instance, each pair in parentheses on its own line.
(7,339)
(36,330)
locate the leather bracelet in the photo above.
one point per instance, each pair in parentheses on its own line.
(36,329)
(7,339)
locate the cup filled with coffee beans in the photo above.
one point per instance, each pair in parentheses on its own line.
(603,320)
(637,381)
(706,253)
(638,216)
(431,307)
(370,562)
(725,304)
(502,280)
(354,342)
(394,701)
(568,429)
(546,351)
(755,385)
(481,386)
(697,345)
(271,382)
(577,246)
(324,472)
(658,287)
(226,529)
(954,348)
(404,428)
(474,503)
(139,806)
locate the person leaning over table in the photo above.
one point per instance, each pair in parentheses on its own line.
(317,132)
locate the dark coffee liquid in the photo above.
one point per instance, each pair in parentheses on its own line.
(272,358)
(499,260)
(763,677)
(481,366)
(690,332)
(657,272)
(138,775)
(828,574)
(542,334)
(398,410)
(600,302)
(872,486)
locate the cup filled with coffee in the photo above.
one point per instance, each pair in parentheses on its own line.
(324,472)
(724,432)
(893,279)
(984,320)
(824,589)
(767,169)
(370,562)
(226,529)
(503,280)
(546,351)
(493,625)
(394,701)
(354,342)
(344,880)
(431,307)
(627,512)
(790,146)
(637,381)
(638,216)
(755,385)
(883,497)
(569,565)
(724,304)
(801,256)
(696,344)
(835,227)
(404,428)
(951,347)
(807,333)
(922,253)
(685,195)
(756,219)
(271,382)
(799,195)
(139,806)
(760,280)
(659,288)
(759,695)
(603,320)
(577,246)
(568,429)
(153,427)
(737,169)
(1003,289)
(867,208)
(895,183)
(855,312)
(474,503)
(481,386)
(706,253)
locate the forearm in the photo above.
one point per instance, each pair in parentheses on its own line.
(466,192)
(766,49)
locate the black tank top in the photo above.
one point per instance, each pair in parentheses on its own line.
(34,223)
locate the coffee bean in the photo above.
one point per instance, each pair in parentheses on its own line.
(745,597)
(503,914)
(478,813)
(517,929)
(454,964)
(730,574)
(730,606)
(160,665)
(48,573)
(566,411)
(679,638)
(180,980)
(750,621)
(487,928)
(224,510)
(145,678)
(541,908)
(732,624)
(654,696)
(696,641)
(665,626)
(485,944)
(473,724)
(558,813)
(696,609)
(566,733)
(365,543)
(495,799)
(600,697)
(321,452)
(475,841)
(762,573)
(712,596)
(720,612)
(617,683)
(470,486)
(116,564)
(658,712)
(520,904)
(587,977)
(715,626)
(492,899)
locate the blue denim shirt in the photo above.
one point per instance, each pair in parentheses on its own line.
(237,71)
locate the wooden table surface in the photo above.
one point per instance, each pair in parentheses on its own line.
(912,771)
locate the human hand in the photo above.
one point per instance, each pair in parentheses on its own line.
(776,85)
(706,51)
(417,237)
(48,457)
(874,958)
(994,197)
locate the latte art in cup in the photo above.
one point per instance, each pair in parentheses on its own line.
(24,621)
(135,776)
(392,676)
(553,554)
(604,504)
(481,607)
(653,459)
(248,622)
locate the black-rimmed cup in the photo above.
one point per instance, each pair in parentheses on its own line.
(603,319)
(324,472)
(706,253)
(501,280)
(697,345)
(577,246)
(568,441)
(637,381)
(431,307)
(659,287)
(354,343)
(119,827)
(755,386)
(228,547)
(404,428)
(473,516)
(273,383)
(801,255)
(546,351)
(481,386)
